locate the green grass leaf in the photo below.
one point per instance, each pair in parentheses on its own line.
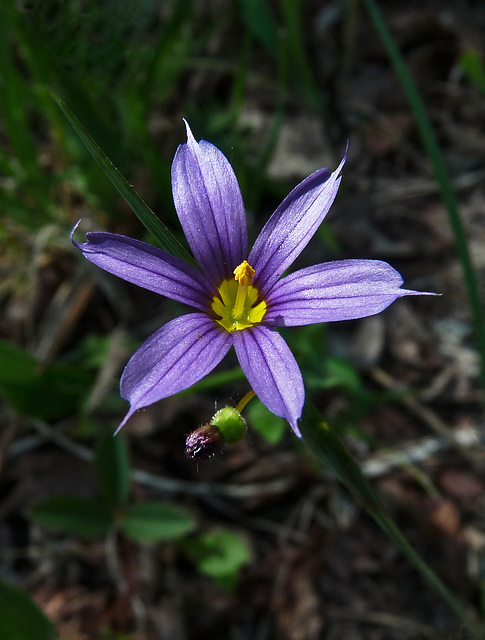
(49,392)
(339,373)
(220,555)
(330,451)
(147,217)
(262,420)
(260,19)
(73,514)
(156,521)
(113,468)
(21,618)
(432,147)
(473,66)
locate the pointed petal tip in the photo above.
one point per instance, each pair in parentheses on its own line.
(190,136)
(411,292)
(296,430)
(131,411)
(338,170)
(73,231)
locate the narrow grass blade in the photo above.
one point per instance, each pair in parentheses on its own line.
(291,11)
(441,173)
(259,17)
(152,223)
(331,452)
(170,52)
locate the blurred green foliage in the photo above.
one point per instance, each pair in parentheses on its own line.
(220,555)
(21,618)
(152,521)
(49,391)
(472,65)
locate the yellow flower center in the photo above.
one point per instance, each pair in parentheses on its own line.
(236,300)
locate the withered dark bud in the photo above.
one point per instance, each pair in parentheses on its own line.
(203,443)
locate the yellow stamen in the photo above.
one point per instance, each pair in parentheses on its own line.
(244,274)
(236,300)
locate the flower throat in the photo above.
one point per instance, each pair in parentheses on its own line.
(237,297)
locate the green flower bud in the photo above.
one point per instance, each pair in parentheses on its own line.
(230,423)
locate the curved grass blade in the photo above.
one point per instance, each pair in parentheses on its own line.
(331,452)
(441,174)
(147,217)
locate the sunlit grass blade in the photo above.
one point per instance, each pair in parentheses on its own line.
(331,452)
(152,223)
(441,174)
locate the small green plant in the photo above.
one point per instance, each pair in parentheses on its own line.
(218,555)
(152,521)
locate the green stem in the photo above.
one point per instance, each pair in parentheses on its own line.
(244,401)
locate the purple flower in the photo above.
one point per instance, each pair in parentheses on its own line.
(239,296)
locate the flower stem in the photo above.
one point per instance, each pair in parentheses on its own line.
(244,401)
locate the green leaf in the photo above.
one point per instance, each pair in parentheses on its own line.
(220,555)
(21,618)
(262,420)
(113,468)
(147,217)
(260,20)
(472,65)
(155,521)
(73,514)
(49,392)
(218,379)
(339,373)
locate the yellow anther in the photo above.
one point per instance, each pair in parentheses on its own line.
(237,303)
(244,274)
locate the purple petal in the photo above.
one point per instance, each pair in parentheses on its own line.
(210,207)
(292,226)
(340,290)
(148,267)
(172,359)
(272,371)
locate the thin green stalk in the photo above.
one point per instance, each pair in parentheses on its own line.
(291,10)
(330,451)
(166,240)
(441,174)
